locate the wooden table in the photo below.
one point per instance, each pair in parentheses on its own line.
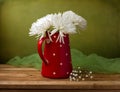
(13,79)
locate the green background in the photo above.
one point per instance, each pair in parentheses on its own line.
(102,35)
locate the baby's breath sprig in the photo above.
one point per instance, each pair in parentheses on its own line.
(79,74)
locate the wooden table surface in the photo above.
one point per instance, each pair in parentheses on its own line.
(14,79)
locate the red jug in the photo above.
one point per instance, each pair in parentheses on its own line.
(56,56)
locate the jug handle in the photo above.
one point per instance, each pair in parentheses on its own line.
(40,42)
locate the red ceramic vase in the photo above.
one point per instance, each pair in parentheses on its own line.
(56,56)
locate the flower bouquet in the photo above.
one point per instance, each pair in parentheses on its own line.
(54,29)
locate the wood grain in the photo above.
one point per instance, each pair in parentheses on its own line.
(29,78)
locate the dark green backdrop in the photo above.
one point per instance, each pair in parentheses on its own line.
(102,35)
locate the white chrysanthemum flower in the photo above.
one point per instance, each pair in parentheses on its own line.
(41,26)
(62,24)
(57,23)
(75,19)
